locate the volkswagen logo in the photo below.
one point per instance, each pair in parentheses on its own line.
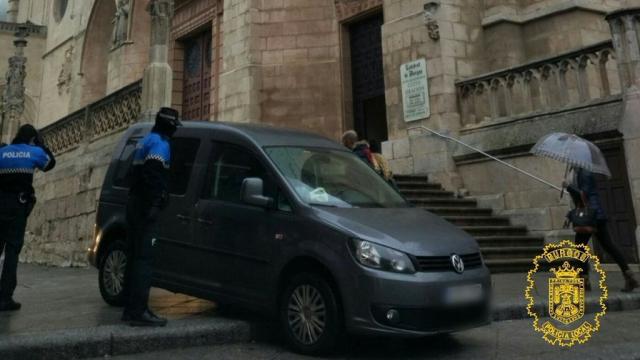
(458,264)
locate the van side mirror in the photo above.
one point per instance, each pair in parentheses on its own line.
(253,193)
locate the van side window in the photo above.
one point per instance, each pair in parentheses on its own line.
(183,155)
(123,169)
(231,165)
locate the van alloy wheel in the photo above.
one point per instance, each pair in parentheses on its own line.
(114,272)
(307,314)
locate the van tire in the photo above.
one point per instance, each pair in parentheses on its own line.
(112,274)
(320,295)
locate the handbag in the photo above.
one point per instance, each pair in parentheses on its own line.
(583,218)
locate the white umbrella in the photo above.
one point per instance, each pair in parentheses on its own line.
(572,150)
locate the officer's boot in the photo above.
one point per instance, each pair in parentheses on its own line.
(630,281)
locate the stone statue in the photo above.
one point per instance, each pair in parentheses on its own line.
(64,77)
(161,12)
(120,22)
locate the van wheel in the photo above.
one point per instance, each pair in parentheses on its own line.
(309,314)
(112,273)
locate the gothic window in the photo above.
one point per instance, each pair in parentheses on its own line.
(59,9)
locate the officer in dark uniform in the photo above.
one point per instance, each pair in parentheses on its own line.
(148,195)
(18,162)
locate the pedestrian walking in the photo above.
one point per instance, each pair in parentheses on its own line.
(147,197)
(380,164)
(584,193)
(18,162)
(359,147)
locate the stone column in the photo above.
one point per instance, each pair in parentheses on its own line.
(158,76)
(13,95)
(625,29)
(12,11)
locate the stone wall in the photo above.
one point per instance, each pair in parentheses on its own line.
(281,65)
(60,229)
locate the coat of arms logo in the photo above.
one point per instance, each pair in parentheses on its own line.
(571,319)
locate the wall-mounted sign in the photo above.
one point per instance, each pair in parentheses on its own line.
(415,90)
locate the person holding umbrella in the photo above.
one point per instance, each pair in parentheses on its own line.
(584,159)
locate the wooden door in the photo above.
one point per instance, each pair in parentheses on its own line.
(367,78)
(196,92)
(615,195)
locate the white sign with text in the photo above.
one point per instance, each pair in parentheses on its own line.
(415,90)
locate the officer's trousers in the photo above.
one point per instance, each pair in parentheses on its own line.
(13,221)
(140,269)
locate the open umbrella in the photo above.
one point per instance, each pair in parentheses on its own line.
(572,150)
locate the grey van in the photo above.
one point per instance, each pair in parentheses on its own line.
(295,225)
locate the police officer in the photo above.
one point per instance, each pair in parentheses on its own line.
(18,162)
(148,195)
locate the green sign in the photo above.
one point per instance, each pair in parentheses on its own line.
(415,90)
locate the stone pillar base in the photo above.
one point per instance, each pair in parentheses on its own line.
(156,89)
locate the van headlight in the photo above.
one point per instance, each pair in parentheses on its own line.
(381,257)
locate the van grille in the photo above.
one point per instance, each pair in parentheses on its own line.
(443,263)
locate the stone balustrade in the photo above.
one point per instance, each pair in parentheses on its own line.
(562,82)
(110,114)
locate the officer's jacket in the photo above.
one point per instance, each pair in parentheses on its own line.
(151,162)
(18,162)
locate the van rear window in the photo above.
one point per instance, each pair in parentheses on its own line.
(123,173)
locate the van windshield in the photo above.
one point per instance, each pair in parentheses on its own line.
(324,177)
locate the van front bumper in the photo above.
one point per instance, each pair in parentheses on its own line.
(384,303)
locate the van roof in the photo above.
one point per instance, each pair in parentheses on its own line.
(262,134)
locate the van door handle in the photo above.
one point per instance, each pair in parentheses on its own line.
(205,221)
(183,217)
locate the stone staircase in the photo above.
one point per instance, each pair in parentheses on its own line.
(505,247)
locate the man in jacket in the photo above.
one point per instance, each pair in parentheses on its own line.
(148,195)
(18,162)
(360,148)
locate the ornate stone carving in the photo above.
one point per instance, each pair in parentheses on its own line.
(121,23)
(556,83)
(64,77)
(433,28)
(110,114)
(161,12)
(13,96)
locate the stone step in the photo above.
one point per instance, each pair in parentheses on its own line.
(509,240)
(411,178)
(495,230)
(478,220)
(445,202)
(511,252)
(419,195)
(457,211)
(509,265)
(412,185)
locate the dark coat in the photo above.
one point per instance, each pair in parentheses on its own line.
(585,182)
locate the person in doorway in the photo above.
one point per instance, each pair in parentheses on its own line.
(584,186)
(18,162)
(147,196)
(360,148)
